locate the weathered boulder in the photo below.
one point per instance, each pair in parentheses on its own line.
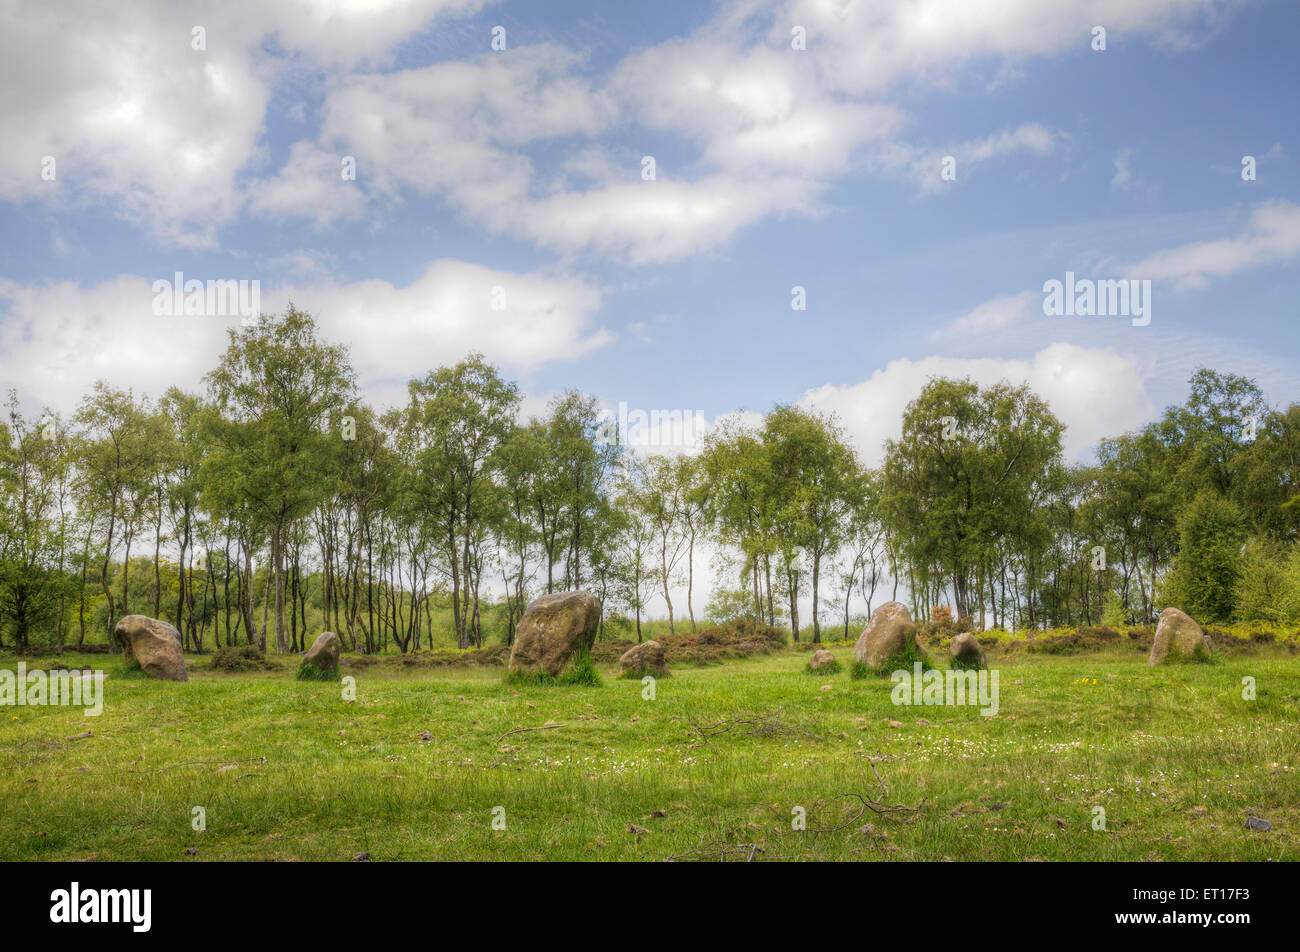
(1177,633)
(555,628)
(967,651)
(322,658)
(887,634)
(154,644)
(820,660)
(645,658)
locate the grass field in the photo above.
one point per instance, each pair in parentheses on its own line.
(290,770)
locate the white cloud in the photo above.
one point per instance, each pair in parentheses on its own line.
(1095,392)
(310,185)
(867,46)
(923,166)
(1123,176)
(995,315)
(1272,235)
(57,339)
(137,118)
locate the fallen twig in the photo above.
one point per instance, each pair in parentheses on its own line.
(521,730)
(760,725)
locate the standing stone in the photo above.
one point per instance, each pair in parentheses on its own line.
(154,644)
(1178,632)
(967,651)
(323,655)
(886,635)
(645,658)
(820,660)
(555,628)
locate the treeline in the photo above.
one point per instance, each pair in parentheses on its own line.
(274,503)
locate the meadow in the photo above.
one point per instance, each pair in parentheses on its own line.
(720,764)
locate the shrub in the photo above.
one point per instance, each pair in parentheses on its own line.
(833,668)
(239,658)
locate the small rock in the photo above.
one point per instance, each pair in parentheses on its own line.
(821,658)
(361,858)
(923,722)
(1257,823)
(645,658)
(826,687)
(658,813)
(425,735)
(894,723)
(191,852)
(1197,811)
(636,830)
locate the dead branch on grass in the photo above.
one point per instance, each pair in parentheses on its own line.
(521,730)
(759,725)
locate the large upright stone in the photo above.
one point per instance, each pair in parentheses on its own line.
(323,655)
(886,635)
(154,644)
(1177,632)
(555,628)
(967,652)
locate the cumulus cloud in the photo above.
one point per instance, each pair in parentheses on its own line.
(1095,392)
(59,338)
(136,117)
(168,135)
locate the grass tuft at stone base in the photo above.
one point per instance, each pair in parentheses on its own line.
(579,672)
(309,672)
(902,661)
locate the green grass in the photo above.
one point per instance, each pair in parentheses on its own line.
(310,672)
(579,672)
(290,770)
(902,661)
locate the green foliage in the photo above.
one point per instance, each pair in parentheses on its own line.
(1268,588)
(833,668)
(729,604)
(1204,577)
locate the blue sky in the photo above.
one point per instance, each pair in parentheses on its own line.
(776,167)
